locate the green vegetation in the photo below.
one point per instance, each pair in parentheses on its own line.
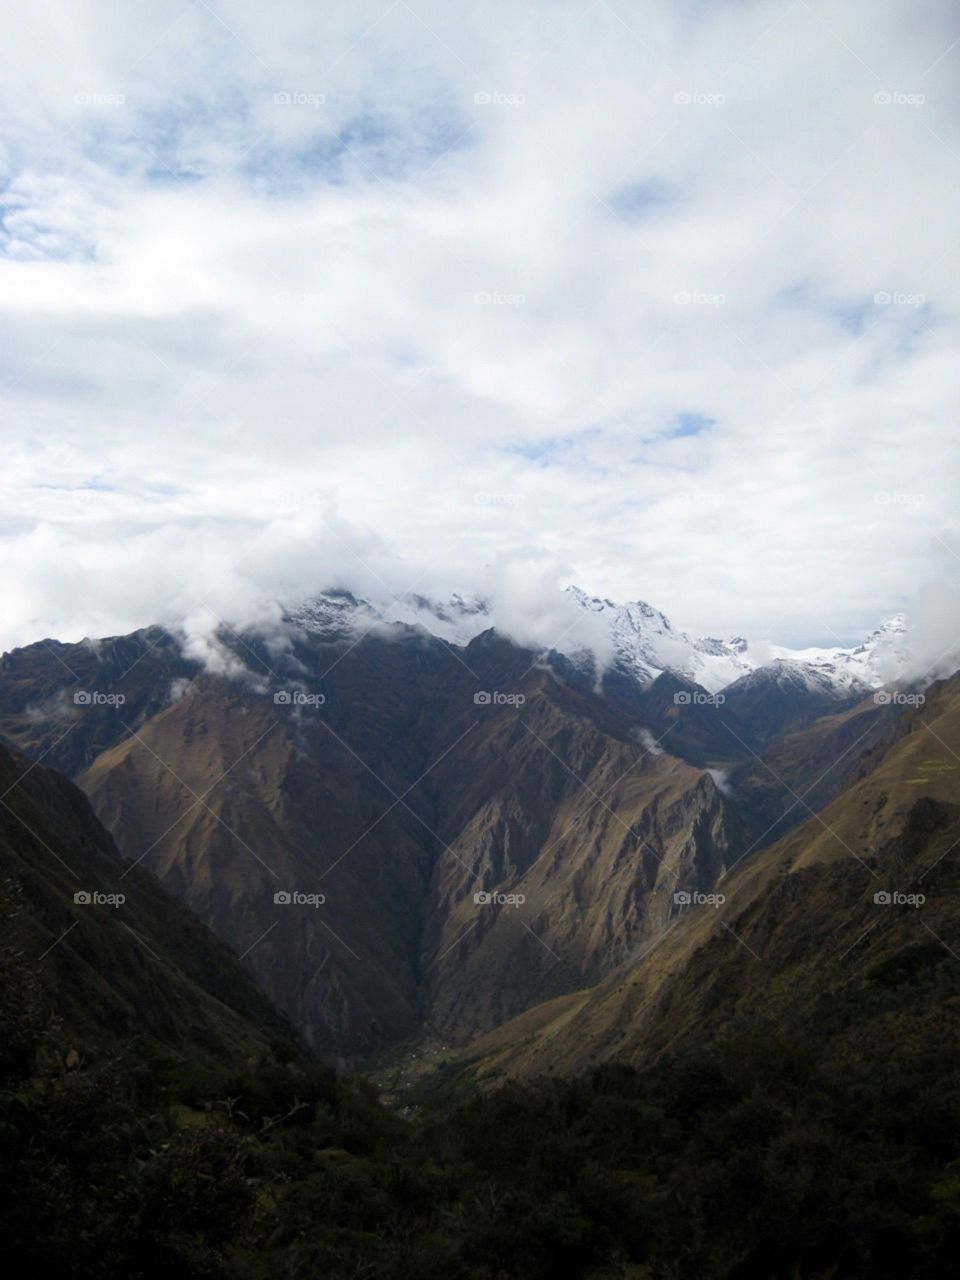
(754,1158)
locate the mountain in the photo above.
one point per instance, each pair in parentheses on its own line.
(645,644)
(800,943)
(65,703)
(399,777)
(634,639)
(457,619)
(786,695)
(723,1103)
(398,832)
(681,929)
(797,774)
(99,947)
(401,799)
(879,660)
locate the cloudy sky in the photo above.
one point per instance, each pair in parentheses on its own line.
(661,299)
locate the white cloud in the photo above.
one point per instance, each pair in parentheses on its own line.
(721,780)
(251,347)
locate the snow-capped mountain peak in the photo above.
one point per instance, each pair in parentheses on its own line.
(337,613)
(635,637)
(646,643)
(880,659)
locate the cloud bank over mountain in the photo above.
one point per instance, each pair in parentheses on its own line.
(661,301)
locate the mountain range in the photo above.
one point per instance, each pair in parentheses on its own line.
(634,638)
(406,836)
(667,974)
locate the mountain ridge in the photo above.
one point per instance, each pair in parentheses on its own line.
(634,637)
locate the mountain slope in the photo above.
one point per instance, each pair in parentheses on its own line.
(784,696)
(399,798)
(66,703)
(773,949)
(108,970)
(392,777)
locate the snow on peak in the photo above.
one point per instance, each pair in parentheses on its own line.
(334,613)
(645,643)
(634,637)
(878,660)
(337,613)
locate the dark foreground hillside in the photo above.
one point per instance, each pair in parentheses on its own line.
(156,1120)
(751,1159)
